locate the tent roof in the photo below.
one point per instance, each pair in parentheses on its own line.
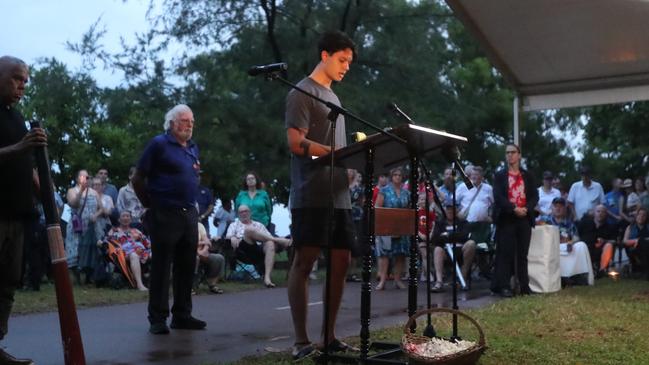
(563,53)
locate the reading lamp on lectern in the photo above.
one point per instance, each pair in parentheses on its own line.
(358,136)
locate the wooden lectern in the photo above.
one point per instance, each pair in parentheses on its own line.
(381,152)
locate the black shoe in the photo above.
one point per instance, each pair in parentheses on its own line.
(6,359)
(159,328)
(189,323)
(504,293)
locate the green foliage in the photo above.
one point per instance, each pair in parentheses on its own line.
(415,54)
(617,138)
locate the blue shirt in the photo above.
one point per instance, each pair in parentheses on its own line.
(171,171)
(204,199)
(612,202)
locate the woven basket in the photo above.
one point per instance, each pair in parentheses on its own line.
(464,357)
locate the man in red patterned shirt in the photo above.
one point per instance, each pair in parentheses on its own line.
(515,197)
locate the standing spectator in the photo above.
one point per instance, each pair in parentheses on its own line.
(36,246)
(557,184)
(256,199)
(636,238)
(425,229)
(16,188)
(644,199)
(109,189)
(461,187)
(127,200)
(392,195)
(584,195)
(357,198)
(476,205)
(106,206)
(614,202)
(634,198)
(205,200)
(547,193)
(223,217)
(166,182)
(380,184)
(447,185)
(600,236)
(83,229)
(515,197)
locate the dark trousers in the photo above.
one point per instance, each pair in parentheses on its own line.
(174,238)
(36,253)
(513,240)
(11,253)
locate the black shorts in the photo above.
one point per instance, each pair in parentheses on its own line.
(309,228)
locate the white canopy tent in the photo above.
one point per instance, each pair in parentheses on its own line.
(563,53)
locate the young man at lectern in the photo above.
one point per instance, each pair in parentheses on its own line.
(309,133)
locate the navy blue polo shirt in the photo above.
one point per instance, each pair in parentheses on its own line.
(171,171)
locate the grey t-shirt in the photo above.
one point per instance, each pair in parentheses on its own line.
(310,181)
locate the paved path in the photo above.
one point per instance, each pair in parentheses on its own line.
(239,324)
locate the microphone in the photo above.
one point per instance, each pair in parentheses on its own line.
(452,154)
(266,69)
(395,108)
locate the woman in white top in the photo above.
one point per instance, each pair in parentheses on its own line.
(633,198)
(547,194)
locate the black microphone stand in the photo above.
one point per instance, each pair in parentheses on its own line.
(429,331)
(336,110)
(452,154)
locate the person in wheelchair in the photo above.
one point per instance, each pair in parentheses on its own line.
(442,235)
(251,239)
(135,244)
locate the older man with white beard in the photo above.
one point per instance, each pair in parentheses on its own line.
(166,182)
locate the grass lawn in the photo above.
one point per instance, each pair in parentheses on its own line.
(89,296)
(604,324)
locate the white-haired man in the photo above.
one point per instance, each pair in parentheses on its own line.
(166,182)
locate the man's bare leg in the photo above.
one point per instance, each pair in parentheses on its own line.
(468,254)
(298,294)
(252,235)
(340,260)
(439,257)
(383,263)
(269,261)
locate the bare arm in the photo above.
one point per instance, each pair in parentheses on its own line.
(299,145)
(34,138)
(379,200)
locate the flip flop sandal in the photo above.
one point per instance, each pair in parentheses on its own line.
(215,289)
(340,346)
(437,288)
(303,350)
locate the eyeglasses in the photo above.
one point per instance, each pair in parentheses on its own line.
(244,211)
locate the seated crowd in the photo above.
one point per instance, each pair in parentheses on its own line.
(591,226)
